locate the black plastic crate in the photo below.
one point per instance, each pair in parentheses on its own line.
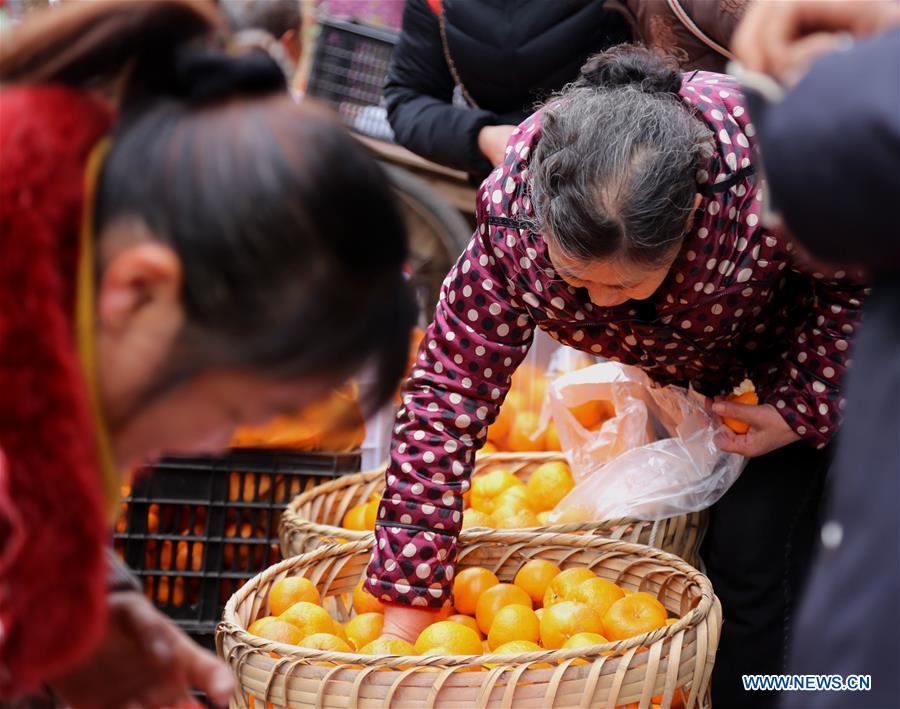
(194,529)
(349,69)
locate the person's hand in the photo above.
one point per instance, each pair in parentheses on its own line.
(144,661)
(492,142)
(768,430)
(783,37)
(406,622)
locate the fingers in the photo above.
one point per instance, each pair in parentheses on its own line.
(756,416)
(731,442)
(204,670)
(145,624)
(765,39)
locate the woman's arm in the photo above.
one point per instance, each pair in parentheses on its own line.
(480,334)
(419,91)
(808,393)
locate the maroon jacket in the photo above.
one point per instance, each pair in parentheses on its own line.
(734,305)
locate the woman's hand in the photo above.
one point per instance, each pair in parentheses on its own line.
(144,661)
(406,622)
(492,142)
(768,430)
(783,38)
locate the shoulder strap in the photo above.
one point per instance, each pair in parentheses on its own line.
(451,65)
(678,10)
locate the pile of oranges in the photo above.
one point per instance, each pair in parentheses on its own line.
(497,500)
(518,425)
(544,608)
(500,500)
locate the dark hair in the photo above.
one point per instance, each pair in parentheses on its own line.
(614,170)
(291,243)
(274,16)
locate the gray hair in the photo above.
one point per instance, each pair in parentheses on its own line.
(614,172)
(273,16)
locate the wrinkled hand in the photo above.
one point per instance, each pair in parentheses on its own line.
(143,661)
(406,622)
(783,37)
(492,142)
(768,430)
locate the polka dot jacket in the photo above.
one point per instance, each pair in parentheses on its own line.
(733,305)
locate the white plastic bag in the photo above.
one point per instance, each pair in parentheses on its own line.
(655,458)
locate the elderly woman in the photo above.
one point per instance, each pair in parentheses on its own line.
(624,221)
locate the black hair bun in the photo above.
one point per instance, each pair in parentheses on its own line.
(631,65)
(205,76)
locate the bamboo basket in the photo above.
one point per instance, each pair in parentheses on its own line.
(625,673)
(314,517)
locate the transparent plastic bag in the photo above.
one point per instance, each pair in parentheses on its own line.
(655,458)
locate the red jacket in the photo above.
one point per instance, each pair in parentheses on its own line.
(733,305)
(52,526)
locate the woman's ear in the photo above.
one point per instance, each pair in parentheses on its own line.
(140,283)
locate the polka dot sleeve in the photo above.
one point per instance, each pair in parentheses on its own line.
(478,337)
(808,394)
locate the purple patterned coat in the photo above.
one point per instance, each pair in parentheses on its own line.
(733,305)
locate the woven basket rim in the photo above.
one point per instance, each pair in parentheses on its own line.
(292,520)
(701,611)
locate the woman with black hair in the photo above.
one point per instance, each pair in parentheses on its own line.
(200,254)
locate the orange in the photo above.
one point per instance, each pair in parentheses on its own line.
(565,583)
(635,614)
(584,640)
(495,598)
(340,632)
(487,449)
(539,613)
(514,647)
(543,518)
(525,434)
(445,612)
(365,602)
(513,499)
(671,621)
(744,393)
(291,590)
(535,576)
(551,438)
(549,484)
(472,518)
(515,622)
(276,630)
(325,641)
(195,551)
(363,629)
(456,638)
(388,646)
(309,618)
(592,413)
(597,593)
(466,620)
(487,488)
(677,699)
(355,518)
(522,519)
(499,430)
(468,586)
(372,513)
(565,619)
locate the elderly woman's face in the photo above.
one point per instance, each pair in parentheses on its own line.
(610,282)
